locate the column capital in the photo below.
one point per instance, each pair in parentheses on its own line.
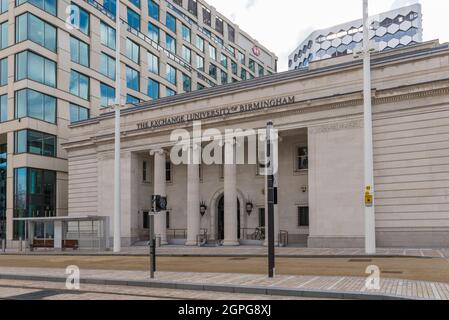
(158,151)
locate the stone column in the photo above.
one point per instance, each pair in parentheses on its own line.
(230,195)
(160,227)
(193,196)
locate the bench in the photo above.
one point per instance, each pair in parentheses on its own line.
(40,243)
(50,244)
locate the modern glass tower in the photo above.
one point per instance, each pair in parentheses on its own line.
(57,66)
(389,30)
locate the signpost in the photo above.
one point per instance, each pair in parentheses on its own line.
(271,199)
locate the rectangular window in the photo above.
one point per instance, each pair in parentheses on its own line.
(171,74)
(252,65)
(4,108)
(261,71)
(30,27)
(207,17)
(79,85)
(78,113)
(131,99)
(33,104)
(224,61)
(153,32)
(213,71)
(153,10)
(35,67)
(107,66)
(199,43)
(224,77)
(132,79)
(46,5)
(231,34)
(34,196)
(234,67)
(132,50)
(169,92)
(241,57)
(186,34)
(261,217)
(153,89)
(144,171)
(219,25)
(200,63)
(35,142)
(110,6)
(153,63)
(4,35)
(193,7)
(133,20)
(168,171)
(212,52)
(107,35)
(302,158)
(107,94)
(135,2)
(303,216)
(79,51)
(4,72)
(80,19)
(186,54)
(170,22)
(170,43)
(178,2)
(243,74)
(186,83)
(4,6)
(146,220)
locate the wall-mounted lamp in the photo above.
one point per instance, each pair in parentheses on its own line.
(249,207)
(304,189)
(203,208)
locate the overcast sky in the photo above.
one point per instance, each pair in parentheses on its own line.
(281,25)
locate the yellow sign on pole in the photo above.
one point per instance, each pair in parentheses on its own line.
(368,197)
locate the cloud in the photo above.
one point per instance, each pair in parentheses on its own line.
(250,4)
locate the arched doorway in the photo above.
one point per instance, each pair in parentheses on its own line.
(220,220)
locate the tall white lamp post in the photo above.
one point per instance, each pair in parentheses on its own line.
(370,227)
(117,200)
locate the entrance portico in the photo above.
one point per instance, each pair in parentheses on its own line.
(319,116)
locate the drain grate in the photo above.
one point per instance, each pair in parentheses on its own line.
(360,260)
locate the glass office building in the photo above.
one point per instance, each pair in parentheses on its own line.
(389,30)
(58,66)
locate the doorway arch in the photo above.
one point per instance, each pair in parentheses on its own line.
(220,218)
(213,205)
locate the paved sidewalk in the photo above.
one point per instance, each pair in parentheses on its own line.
(284,285)
(250,251)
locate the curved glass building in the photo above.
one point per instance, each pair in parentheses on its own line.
(389,30)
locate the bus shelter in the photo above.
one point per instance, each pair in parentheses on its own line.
(70,232)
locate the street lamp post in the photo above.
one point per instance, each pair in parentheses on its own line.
(370,228)
(117,191)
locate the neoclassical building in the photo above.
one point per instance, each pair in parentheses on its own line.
(318,113)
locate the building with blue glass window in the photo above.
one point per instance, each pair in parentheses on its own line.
(389,30)
(58,66)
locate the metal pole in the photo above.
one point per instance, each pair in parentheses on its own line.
(270,194)
(370,228)
(117,202)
